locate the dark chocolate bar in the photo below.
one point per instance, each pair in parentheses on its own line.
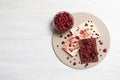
(88,50)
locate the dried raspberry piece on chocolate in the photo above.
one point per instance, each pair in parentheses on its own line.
(88,50)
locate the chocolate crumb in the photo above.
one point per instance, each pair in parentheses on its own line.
(76,55)
(91,26)
(86,24)
(65,37)
(62,42)
(86,64)
(100,55)
(57,45)
(99,40)
(61,36)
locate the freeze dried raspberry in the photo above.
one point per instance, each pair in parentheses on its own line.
(62,42)
(67,58)
(104,50)
(63,21)
(68,35)
(77,37)
(61,36)
(74,63)
(86,64)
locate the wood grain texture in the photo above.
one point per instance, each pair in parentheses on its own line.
(25,40)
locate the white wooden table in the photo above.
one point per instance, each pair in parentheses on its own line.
(25,40)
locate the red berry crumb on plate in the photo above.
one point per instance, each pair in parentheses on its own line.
(105,50)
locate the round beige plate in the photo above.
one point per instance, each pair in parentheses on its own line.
(74,61)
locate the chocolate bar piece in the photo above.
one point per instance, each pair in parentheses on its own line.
(88,50)
(86,30)
(72,45)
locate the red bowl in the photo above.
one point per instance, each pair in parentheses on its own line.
(63,21)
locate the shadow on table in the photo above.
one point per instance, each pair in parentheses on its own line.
(51,27)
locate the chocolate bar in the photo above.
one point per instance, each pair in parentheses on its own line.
(88,50)
(72,45)
(86,30)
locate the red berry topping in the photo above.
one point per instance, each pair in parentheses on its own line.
(68,35)
(61,36)
(105,50)
(62,42)
(77,37)
(74,63)
(101,43)
(67,58)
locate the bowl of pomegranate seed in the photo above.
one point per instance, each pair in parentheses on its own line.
(63,21)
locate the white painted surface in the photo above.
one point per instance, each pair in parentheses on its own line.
(25,40)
